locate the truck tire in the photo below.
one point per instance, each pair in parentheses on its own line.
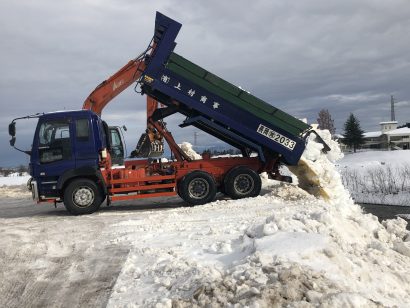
(82,196)
(242,182)
(197,188)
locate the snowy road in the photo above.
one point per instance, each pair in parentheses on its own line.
(51,259)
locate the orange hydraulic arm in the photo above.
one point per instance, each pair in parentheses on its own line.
(114,85)
(151,142)
(110,88)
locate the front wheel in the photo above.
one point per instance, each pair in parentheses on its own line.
(82,196)
(242,182)
(197,188)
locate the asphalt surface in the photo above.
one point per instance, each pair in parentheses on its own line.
(384,212)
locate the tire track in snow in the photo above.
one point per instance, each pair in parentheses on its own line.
(57,261)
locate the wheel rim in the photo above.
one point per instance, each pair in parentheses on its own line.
(198,188)
(243,184)
(83,196)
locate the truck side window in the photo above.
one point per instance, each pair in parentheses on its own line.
(54,141)
(116,147)
(115,138)
(82,130)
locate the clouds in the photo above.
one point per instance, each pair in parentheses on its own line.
(346,56)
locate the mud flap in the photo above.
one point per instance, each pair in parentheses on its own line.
(309,180)
(147,148)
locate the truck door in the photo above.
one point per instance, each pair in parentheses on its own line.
(54,154)
(85,145)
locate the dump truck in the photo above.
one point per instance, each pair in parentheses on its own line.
(73,152)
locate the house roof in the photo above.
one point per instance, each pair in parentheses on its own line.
(399,132)
(372,134)
(389,122)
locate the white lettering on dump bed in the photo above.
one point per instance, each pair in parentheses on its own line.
(275,136)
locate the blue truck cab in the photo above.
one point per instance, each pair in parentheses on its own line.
(66,145)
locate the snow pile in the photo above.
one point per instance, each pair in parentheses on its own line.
(283,248)
(186,147)
(319,168)
(265,251)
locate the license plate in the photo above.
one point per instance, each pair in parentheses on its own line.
(276,137)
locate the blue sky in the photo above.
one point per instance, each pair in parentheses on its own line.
(345,56)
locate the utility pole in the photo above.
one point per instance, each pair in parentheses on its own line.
(392,115)
(195,138)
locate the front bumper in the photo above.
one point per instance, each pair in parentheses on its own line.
(32,186)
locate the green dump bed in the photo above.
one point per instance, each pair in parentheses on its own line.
(235,95)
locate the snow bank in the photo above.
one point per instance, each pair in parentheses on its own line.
(14,186)
(378,177)
(13,180)
(265,251)
(14,191)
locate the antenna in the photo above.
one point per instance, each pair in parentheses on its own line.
(195,138)
(392,114)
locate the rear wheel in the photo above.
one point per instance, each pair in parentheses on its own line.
(82,196)
(197,188)
(242,182)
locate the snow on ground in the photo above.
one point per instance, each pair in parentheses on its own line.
(366,158)
(13,180)
(282,248)
(378,177)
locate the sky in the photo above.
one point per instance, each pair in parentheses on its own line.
(300,56)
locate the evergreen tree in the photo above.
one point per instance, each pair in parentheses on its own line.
(325,121)
(353,134)
(404,125)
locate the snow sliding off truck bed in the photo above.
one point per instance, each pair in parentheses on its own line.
(218,107)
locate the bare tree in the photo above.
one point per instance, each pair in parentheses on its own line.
(22,169)
(325,121)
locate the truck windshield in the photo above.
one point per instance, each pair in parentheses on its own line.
(54,141)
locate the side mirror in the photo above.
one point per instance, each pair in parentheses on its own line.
(12,141)
(12,129)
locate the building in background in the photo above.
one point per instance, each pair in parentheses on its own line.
(389,137)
